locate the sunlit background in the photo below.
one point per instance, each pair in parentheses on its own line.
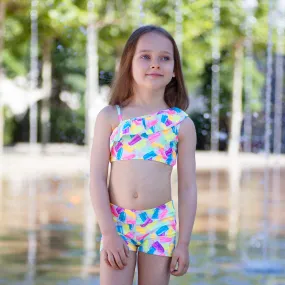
(57,61)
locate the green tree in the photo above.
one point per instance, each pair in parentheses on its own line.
(64,24)
(2,19)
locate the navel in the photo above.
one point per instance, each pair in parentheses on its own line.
(135,195)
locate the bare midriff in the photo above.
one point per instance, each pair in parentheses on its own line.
(139,184)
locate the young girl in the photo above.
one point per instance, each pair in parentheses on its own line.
(141,132)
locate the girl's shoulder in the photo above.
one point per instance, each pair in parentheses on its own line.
(108,109)
(187,128)
(109,113)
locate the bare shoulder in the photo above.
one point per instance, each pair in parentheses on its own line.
(100,151)
(106,116)
(106,112)
(187,130)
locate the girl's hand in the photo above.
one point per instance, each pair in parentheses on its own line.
(115,251)
(180,255)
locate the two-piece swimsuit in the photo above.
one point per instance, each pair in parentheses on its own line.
(149,137)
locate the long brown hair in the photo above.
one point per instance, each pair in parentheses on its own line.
(121,91)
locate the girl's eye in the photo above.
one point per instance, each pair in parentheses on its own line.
(145,56)
(164,58)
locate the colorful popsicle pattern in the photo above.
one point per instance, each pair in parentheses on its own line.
(150,137)
(151,231)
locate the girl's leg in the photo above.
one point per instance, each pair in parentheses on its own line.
(153,269)
(110,276)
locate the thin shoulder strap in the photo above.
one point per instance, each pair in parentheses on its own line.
(119,113)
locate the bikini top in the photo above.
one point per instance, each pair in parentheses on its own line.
(148,137)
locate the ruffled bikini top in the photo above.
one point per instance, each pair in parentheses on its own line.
(148,137)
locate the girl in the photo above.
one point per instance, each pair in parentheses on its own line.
(141,132)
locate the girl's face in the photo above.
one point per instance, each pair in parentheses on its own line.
(153,61)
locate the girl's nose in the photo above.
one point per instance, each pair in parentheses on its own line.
(155,62)
(155,65)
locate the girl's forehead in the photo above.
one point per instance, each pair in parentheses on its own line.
(154,42)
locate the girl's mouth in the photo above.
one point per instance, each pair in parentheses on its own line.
(154,75)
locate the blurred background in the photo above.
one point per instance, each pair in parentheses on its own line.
(57,61)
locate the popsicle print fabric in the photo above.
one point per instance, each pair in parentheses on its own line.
(152,231)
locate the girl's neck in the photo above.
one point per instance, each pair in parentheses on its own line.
(146,98)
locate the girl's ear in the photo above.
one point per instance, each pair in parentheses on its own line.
(173,74)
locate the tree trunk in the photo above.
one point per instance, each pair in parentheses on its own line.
(47,86)
(2,20)
(92,75)
(236,116)
(33,116)
(89,228)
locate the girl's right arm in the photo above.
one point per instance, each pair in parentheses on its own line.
(114,246)
(99,162)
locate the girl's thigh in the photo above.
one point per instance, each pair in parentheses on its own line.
(153,269)
(110,276)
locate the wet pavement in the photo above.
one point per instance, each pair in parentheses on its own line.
(48,232)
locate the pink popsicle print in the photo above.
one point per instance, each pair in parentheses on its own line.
(158,247)
(126,131)
(114,212)
(130,156)
(130,235)
(148,221)
(165,239)
(137,122)
(152,137)
(161,152)
(141,237)
(171,112)
(130,221)
(113,152)
(168,122)
(136,139)
(162,207)
(118,146)
(168,151)
(173,225)
(152,123)
(163,214)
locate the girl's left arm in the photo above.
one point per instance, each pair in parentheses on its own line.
(187,195)
(186,173)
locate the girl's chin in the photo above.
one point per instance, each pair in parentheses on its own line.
(155,88)
(157,83)
(151,84)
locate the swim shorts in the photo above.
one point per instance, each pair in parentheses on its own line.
(151,231)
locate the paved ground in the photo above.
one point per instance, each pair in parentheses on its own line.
(67,159)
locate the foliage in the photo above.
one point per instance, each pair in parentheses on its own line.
(67,125)
(65,22)
(9,127)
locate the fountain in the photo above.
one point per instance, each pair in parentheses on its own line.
(92,75)
(179,26)
(213,182)
(280,27)
(215,107)
(265,263)
(32,234)
(142,14)
(34,73)
(249,7)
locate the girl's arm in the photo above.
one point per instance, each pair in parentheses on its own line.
(187,195)
(99,162)
(115,250)
(186,172)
